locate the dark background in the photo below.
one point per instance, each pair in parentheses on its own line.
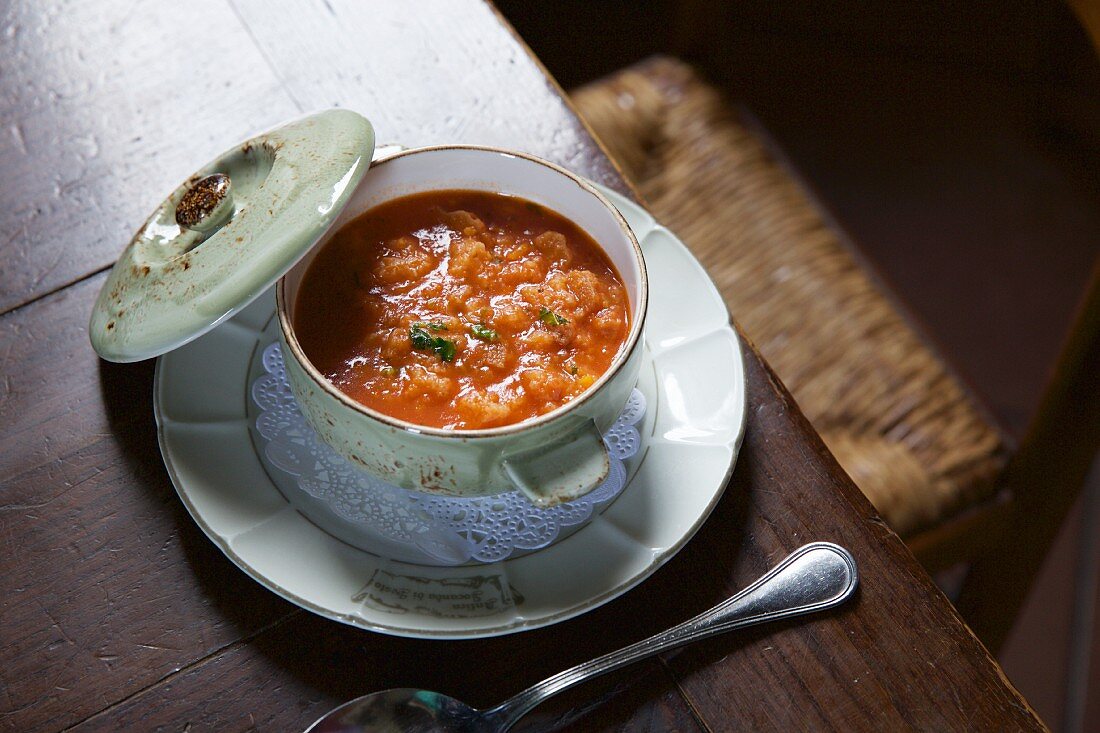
(958,146)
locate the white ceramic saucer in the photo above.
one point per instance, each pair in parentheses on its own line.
(693,379)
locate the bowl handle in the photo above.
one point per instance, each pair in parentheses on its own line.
(562,471)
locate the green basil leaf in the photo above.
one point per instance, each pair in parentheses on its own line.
(550,318)
(424,341)
(484,333)
(445,349)
(420,338)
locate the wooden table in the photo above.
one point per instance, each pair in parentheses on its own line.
(116,611)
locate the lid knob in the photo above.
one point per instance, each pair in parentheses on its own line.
(207,205)
(289,185)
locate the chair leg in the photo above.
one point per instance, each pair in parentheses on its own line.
(1045,477)
(997,584)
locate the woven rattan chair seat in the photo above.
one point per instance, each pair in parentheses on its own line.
(892,414)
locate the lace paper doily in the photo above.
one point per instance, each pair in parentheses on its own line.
(444,530)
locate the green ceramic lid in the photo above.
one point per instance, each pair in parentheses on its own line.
(229,232)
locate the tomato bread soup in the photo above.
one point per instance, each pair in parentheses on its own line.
(461,310)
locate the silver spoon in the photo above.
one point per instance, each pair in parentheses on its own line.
(813,578)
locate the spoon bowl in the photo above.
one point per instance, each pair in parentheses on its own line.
(404,710)
(813,578)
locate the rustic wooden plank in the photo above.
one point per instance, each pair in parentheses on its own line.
(105,110)
(106,585)
(442,73)
(898,658)
(291,676)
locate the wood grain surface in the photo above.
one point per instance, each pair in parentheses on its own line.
(116,613)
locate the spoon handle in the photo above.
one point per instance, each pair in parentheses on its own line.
(814,577)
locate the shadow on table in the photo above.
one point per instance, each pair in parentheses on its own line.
(234,598)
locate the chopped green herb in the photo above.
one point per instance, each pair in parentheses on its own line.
(424,341)
(484,333)
(388,371)
(434,325)
(551,318)
(573,369)
(420,338)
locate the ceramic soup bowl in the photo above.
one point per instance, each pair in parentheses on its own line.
(554,457)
